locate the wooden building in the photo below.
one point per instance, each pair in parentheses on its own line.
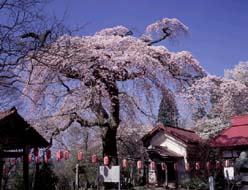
(175,147)
(234,139)
(16,138)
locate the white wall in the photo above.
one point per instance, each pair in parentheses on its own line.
(170,143)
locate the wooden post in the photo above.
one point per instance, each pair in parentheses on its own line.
(25,168)
(77,177)
(147,174)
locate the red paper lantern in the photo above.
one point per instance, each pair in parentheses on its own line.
(60,154)
(208,165)
(197,166)
(106,160)
(6,169)
(66,154)
(48,153)
(37,159)
(217,164)
(29,158)
(36,151)
(163,166)
(46,159)
(124,163)
(227,163)
(80,156)
(94,158)
(139,164)
(187,167)
(152,165)
(175,166)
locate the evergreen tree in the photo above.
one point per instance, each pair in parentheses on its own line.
(168,112)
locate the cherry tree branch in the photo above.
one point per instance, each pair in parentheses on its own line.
(166,34)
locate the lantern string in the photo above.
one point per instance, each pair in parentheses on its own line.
(197,164)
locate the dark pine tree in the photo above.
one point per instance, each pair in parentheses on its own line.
(168,113)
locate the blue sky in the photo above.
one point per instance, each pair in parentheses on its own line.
(218,28)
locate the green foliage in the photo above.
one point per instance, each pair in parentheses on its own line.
(168,112)
(66,171)
(196,183)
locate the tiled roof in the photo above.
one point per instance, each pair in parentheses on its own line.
(235,135)
(187,136)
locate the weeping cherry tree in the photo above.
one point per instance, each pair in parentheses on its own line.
(102,79)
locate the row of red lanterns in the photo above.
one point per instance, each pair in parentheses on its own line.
(187,165)
(47,156)
(94,160)
(36,152)
(37,159)
(80,156)
(65,154)
(209,165)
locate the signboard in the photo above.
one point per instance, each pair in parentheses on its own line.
(229,173)
(110,174)
(211,183)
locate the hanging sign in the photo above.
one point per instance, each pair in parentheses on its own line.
(229,173)
(110,174)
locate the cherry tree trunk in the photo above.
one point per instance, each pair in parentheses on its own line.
(110,145)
